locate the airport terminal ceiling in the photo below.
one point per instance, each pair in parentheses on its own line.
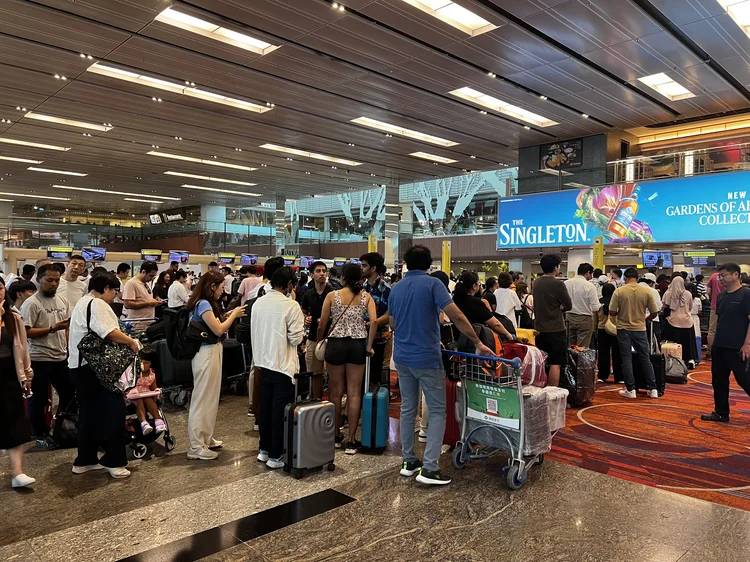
(139,105)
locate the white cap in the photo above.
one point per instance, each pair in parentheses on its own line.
(603,279)
(650,276)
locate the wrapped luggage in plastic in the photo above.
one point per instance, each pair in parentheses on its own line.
(579,376)
(558,404)
(532,362)
(538,437)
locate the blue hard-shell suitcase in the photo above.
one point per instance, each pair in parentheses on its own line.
(374,416)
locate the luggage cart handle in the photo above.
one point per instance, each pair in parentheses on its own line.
(515,362)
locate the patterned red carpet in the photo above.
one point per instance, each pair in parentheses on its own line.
(663,443)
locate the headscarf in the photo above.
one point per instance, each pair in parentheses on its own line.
(676,296)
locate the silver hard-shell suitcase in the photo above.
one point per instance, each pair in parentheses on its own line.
(309,433)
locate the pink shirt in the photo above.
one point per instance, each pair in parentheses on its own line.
(137,291)
(247,286)
(714,287)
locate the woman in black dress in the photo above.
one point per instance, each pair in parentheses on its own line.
(15,381)
(476,310)
(161,287)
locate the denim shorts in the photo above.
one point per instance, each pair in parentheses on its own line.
(340,351)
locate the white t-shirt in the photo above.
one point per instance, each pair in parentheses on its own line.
(39,311)
(73,291)
(507,304)
(228,280)
(177,295)
(266,287)
(103,321)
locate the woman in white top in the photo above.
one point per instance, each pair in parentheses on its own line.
(349,342)
(507,299)
(178,294)
(101,412)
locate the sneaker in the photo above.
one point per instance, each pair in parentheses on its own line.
(432,477)
(691,365)
(87,468)
(46,443)
(21,481)
(216,444)
(250,412)
(202,454)
(600,380)
(422,438)
(339,441)
(275,463)
(146,428)
(344,421)
(352,447)
(262,456)
(161,427)
(619,382)
(118,472)
(625,393)
(653,393)
(714,417)
(410,468)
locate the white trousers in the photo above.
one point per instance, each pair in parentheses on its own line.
(204,404)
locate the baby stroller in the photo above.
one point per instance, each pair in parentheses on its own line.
(135,438)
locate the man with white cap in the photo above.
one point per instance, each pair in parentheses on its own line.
(649,280)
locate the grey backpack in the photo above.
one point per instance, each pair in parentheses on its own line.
(677,371)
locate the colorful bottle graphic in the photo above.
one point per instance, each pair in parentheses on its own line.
(624,214)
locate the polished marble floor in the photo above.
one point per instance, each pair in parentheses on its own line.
(363,511)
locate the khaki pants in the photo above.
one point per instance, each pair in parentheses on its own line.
(581,329)
(204,403)
(712,321)
(314,365)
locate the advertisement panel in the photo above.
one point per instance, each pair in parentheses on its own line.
(703,208)
(151,255)
(562,155)
(493,404)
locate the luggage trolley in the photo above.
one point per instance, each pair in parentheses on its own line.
(491,396)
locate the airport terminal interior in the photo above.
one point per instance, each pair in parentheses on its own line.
(170,143)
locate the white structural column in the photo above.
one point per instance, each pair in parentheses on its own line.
(280,225)
(391,229)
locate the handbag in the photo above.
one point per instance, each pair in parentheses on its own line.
(610,328)
(320,347)
(107,359)
(65,432)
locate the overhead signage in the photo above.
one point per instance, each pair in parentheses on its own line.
(151,255)
(599,252)
(339,262)
(704,258)
(248,259)
(306,261)
(562,155)
(289,260)
(59,252)
(179,256)
(155,218)
(657,259)
(94,254)
(173,217)
(226,259)
(697,209)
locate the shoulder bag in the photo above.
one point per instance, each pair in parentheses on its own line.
(109,360)
(320,348)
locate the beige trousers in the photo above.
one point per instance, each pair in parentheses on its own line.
(204,403)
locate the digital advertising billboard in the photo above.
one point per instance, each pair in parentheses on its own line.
(698,209)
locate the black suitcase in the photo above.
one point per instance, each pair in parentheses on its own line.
(169,371)
(579,376)
(233,363)
(658,362)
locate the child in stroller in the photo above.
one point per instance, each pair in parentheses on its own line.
(143,401)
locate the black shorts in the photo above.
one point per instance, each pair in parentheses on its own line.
(340,351)
(555,345)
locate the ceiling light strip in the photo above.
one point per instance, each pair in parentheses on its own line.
(670,89)
(216,189)
(402,131)
(24,160)
(454,15)
(34,144)
(35,196)
(306,154)
(70,122)
(207,178)
(200,160)
(92,190)
(174,87)
(433,157)
(49,171)
(495,104)
(216,32)
(143,200)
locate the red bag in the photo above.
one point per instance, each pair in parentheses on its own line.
(532,362)
(452,428)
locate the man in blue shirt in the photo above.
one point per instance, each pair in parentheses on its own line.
(414,307)
(380,291)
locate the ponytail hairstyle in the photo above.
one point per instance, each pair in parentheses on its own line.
(352,277)
(466,282)
(608,289)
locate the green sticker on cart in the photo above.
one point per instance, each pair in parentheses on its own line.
(493,404)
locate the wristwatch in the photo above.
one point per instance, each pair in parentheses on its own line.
(51,329)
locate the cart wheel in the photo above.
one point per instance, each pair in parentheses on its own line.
(169,443)
(140,451)
(180,398)
(331,467)
(233,388)
(296,474)
(457,459)
(540,459)
(515,479)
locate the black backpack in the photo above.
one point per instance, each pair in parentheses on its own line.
(524,317)
(176,327)
(243,333)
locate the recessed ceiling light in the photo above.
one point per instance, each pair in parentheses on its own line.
(739,11)
(454,15)
(5,121)
(63,172)
(36,196)
(585,115)
(401,131)
(92,190)
(527,127)
(501,106)
(19,108)
(306,154)
(144,80)
(60,77)
(433,157)
(24,160)
(543,97)
(492,75)
(143,200)
(34,144)
(216,189)
(201,160)
(667,87)
(472,156)
(213,31)
(197,177)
